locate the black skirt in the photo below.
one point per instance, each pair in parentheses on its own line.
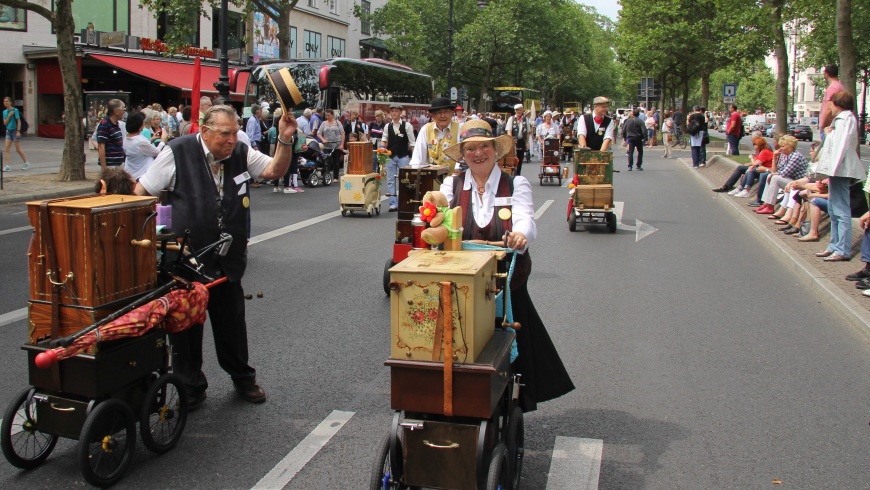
(543,373)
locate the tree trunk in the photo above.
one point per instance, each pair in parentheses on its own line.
(845,46)
(782,73)
(72,165)
(685,95)
(705,89)
(283,19)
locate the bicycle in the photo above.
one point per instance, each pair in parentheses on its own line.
(679,139)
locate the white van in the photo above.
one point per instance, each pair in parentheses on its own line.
(752,121)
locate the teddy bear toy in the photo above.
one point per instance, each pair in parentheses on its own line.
(440,217)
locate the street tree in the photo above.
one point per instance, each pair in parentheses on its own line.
(72,165)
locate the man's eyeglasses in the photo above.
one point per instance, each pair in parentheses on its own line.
(223,132)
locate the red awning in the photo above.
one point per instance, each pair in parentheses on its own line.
(173,73)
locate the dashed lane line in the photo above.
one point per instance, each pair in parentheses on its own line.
(15,230)
(296,459)
(576,464)
(13,316)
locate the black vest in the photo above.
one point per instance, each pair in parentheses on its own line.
(195,205)
(397,143)
(593,139)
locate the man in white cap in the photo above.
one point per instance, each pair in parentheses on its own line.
(596,131)
(518,126)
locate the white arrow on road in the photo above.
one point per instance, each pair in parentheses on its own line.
(641,230)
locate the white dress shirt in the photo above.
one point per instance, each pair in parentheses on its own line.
(522,206)
(140,154)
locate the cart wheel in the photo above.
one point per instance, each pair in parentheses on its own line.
(313,179)
(370,213)
(515,442)
(542,180)
(387,267)
(572,221)
(386,472)
(611,222)
(560,180)
(327,178)
(378,208)
(344,212)
(164,413)
(23,445)
(107,442)
(498,477)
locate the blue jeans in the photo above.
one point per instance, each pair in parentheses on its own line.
(733,143)
(393,165)
(736,175)
(865,246)
(751,176)
(840,211)
(696,156)
(762,184)
(635,143)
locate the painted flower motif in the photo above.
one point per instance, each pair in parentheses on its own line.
(348,186)
(433,314)
(357,196)
(419,316)
(428,212)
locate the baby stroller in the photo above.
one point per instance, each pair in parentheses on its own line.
(314,166)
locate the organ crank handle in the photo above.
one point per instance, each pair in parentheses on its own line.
(141,243)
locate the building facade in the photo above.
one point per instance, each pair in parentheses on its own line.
(119,51)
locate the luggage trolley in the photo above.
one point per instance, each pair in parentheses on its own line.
(99,394)
(456,422)
(551,169)
(591,193)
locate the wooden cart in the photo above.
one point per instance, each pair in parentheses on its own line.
(360,188)
(551,169)
(591,195)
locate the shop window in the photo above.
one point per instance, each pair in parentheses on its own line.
(165,26)
(336,47)
(12,19)
(105,15)
(312,45)
(235,29)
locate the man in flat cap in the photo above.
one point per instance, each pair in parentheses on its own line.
(519,127)
(596,131)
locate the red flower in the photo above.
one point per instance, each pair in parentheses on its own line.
(419,317)
(433,314)
(378,177)
(428,212)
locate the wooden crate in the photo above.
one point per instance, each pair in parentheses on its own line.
(415,304)
(71,319)
(360,158)
(594,196)
(418,386)
(593,167)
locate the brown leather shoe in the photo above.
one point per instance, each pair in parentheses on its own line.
(252,393)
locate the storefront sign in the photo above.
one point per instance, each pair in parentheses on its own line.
(112,39)
(158,46)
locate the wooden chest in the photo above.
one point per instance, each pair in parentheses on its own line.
(360,160)
(593,167)
(418,386)
(593,196)
(429,179)
(415,303)
(95,261)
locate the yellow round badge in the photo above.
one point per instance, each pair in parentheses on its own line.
(504,213)
(246,202)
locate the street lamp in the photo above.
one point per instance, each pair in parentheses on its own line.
(481,4)
(223,83)
(862,134)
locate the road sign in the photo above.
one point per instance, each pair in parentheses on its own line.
(454,93)
(728,100)
(729,90)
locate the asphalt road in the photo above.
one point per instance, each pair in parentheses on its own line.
(700,361)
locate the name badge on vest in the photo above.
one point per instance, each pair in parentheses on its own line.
(503,201)
(242,177)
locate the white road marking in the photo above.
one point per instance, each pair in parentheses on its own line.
(16,230)
(296,459)
(292,228)
(542,209)
(576,464)
(13,316)
(641,230)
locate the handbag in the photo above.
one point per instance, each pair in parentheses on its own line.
(706,140)
(857,200)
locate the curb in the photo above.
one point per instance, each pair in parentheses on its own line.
(41,196)
(836,298)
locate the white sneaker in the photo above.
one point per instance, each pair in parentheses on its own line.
(25,166)
(743,193)
(288,190)
(866,292)
(7,168)
(735,191)
(276,189)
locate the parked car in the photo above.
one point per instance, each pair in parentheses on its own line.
(802,132)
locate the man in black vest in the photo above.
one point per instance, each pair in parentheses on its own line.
(596,131)
(518,126)
(633,132)
(399,139)
(210,194)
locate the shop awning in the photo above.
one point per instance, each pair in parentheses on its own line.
(173,73)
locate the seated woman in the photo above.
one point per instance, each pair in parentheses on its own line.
(760,162)
(794,199)
(779,160)
(795,167)
(482,192)
(818,204)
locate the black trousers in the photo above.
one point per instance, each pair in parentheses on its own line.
(522,153)
(635,143)
(226,310)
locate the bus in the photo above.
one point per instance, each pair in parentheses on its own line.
(346,84)
(505,98)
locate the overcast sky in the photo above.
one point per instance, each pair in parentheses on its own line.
(609,8)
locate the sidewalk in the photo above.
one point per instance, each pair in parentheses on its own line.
(826,278)
(40,181)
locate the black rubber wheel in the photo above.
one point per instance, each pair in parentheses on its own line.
(23,445)
(313,179)
(387,268)
(107,443)
(682,142)
(498,477)
(542,180)
(386,473)
(164,413)
(611,222)
(515,444)
(344,212)
(572,220)
(327,179)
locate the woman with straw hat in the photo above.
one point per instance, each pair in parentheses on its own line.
(498,209)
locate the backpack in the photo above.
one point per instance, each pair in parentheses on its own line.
(24,125)
(742,129)
(694,127)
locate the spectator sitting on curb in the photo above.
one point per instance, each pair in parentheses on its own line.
(759,163)
(779,159)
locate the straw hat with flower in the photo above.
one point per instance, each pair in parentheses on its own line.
(479,130)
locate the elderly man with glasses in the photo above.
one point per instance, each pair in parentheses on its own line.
(210,195)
